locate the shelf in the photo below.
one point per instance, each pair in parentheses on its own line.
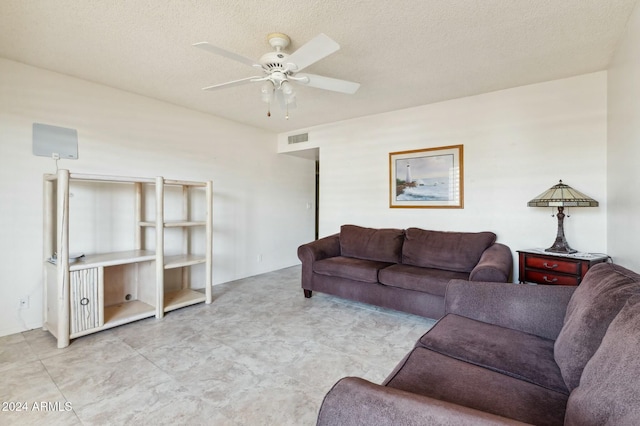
(185,183)
(175,223)
(124,179)
(180,260)
(94,292)
(181,298)
(100,178)
(123,313)
(110,259)
(119,314)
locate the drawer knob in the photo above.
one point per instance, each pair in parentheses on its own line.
(546,265)
(548,280)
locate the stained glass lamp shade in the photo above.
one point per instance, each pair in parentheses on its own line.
(561,196)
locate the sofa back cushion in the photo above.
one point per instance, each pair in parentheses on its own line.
(595,303)
(382,245)
(609,393)
(452,251)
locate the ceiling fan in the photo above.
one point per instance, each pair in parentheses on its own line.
(280,69)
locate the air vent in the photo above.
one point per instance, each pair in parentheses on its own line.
(302,137)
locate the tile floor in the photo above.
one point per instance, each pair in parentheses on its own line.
(260,354)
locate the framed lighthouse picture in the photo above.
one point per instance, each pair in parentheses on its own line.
(427,178)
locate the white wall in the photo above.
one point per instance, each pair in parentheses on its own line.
(260,196)
(623,151)
(517,143)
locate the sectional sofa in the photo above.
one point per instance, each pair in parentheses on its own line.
(407,270)
(508,354)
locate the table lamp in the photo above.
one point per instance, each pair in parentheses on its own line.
(561,196)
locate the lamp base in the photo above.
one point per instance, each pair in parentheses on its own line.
(564,250)
(561,245)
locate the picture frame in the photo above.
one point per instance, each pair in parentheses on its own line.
(427,178)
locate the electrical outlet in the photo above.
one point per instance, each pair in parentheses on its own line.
(24,302)
(259,258)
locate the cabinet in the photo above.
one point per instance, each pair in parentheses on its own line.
(87,293)
(542,267)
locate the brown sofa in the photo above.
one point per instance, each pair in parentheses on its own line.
(407,270)
(513,354)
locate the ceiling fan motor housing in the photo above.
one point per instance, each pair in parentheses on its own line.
(274,60)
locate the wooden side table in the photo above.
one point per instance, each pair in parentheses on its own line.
(543,267)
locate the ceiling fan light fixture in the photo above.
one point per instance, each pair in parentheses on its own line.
(287,88)
(266,91)
(288,92)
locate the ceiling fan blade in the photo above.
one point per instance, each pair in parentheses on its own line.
(327,83)
(231,83)
(222,52)
(312,51)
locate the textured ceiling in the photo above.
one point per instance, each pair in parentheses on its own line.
(403,52)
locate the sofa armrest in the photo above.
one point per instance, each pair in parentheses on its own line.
(495,264)
(320,249)
(535,309)
(316,250)
(354,401)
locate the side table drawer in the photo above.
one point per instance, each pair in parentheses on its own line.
(541,267)
(552,265)
(550,278)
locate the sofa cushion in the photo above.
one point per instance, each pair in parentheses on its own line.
(597,300)
(350,268)
(517,354)
(383,245)
(452,251)
(609,393)
(427,280)
(431,374)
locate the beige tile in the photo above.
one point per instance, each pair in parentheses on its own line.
(14,349)
(30,397)
(51,416)
(89,377)
(28,382)
(260,354)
